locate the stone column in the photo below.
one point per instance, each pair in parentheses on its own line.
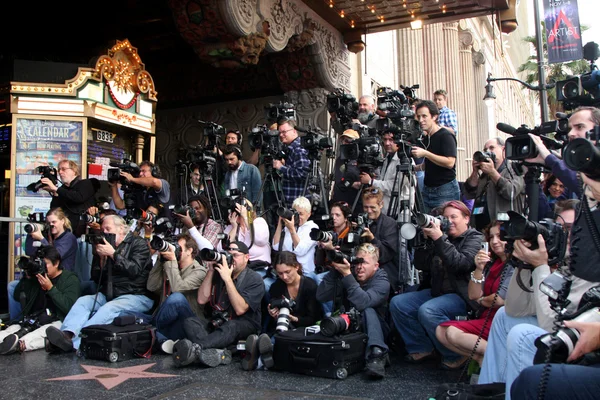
(470,127)
(483,133)
(410,59)
(434,60)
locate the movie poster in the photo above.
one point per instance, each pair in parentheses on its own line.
(563,34)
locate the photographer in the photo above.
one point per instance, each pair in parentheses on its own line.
(526,315)
(202,227)
(340,214)
(75,194)
(494,185)
(347,176)
(49,294)
(440,183)
(294,169)
(234,293)
(296,235)
(298,294)
(121,270)
(176,281)
(195,186)
(240,175)
(383,233)
(366,288)
(155,188)
(443,293)
(488,285)
(388,173)
(582,120)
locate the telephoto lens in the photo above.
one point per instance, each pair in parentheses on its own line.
(332,326)
(322,236)
(283,320)
(33,227)
(89,219)
(285,213)
(210,255)
(159,244)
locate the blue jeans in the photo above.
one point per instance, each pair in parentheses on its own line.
(416,316)
(510,348)
(318,278)
(106,312)
(376,329)
(170,316)
(436,196)
(14,307)
(565,381)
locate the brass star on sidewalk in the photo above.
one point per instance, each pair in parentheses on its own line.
(111,377)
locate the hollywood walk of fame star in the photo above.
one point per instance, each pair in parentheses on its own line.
(111,377)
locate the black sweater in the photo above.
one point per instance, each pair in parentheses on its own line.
(308,310)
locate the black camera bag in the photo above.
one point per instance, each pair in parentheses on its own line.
(115,342)
(334,357)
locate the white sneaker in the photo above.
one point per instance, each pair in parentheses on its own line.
(167,346)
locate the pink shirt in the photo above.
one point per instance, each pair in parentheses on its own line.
(261,249)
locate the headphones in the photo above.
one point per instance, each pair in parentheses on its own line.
(154,169)
(235,149)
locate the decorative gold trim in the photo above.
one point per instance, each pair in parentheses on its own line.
(69,88)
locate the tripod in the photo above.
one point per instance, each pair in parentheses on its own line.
(315,185)
(211,192)
(273,178)
(532,183)
(401,211)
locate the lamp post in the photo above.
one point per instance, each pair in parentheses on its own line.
(489,91)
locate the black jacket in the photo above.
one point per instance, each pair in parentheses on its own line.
(385,230)
(450,264)
(130,268)
(74,200)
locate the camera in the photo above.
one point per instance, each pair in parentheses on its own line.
(427,221)
(582,155)
(337,256)
(113,175)
(233,197)
(286,213)
(33,265)
(46,172)
(219,318)
(354,237)
(582,90)
(163,226)
(29,324)
(367,151)
(165,244)
(142,215)
(521,146)
(560,344)
(262,138)
(212,129)
(202,157)
(183,209)
(314,140)
(276,112)
(99,238)
(90,219)
(484,156)
(323,236)
(519,227)
(344,105)
(36,223)
(286,307)
(207,254)
(346,322)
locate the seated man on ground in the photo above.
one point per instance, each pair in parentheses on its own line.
(120,268)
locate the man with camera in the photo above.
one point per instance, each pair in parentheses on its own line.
(347,176)
(494,184)
(154,187)
(294,169)
(234,293)
(47,293)
(582,120)
(240,175)
(440,183)
(175,278)
(120,268)
(199,223)
(366,288)
(528,312)
(75,194)
(388,174)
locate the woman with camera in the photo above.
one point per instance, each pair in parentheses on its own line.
(295,293)
(488,286)
(47,293)
(446,262)
(295,232)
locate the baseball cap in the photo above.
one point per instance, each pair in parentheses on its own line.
(351,133)
(241,247)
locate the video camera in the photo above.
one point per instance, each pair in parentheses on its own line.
(113,175)
(345,322)
(344,105)
(366,151)
(286,307)
(582,155)
(399,117)
(582,90)
(46,172)
(212,133)
(262,138)
(36,222)
(202,157)
(314,140)
(276,112)
(521,146)
(519,227)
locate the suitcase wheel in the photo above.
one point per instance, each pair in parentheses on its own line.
(341,373)
(113,357)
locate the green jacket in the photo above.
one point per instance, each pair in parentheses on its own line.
(64,293)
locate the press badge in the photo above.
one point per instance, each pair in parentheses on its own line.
(478,210)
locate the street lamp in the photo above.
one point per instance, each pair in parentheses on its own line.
(489,88)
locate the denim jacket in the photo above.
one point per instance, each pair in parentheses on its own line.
(248,178)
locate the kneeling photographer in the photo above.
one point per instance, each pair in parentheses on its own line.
(234,293)
(363,286)
(46,293)
(443,294)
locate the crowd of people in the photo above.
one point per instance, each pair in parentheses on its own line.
(211,283)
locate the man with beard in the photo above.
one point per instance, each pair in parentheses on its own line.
(240,175)
(201,228)
(366,111)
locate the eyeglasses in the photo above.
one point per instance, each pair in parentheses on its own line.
(64,168)
(286,131)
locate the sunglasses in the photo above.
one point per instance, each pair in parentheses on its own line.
(371,190)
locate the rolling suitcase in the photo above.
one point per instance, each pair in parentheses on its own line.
(331,357)
(114,342)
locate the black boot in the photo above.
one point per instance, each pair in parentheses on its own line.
(376,363)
